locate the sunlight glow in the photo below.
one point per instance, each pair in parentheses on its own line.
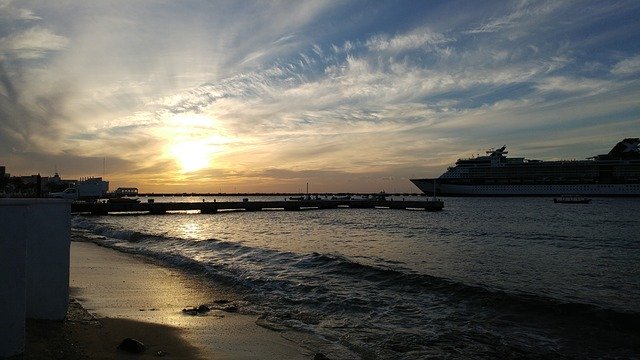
(192,155)
(194,140)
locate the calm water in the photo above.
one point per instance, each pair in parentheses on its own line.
(485,278)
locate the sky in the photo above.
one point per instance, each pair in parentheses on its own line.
(347,96)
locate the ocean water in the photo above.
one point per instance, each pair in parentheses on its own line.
(484,278)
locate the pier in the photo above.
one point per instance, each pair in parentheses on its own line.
(158,208)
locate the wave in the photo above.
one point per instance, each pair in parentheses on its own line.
(80,223)
(336,282)
(408,282)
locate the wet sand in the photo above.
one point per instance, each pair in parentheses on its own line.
(81,336)
(116,295)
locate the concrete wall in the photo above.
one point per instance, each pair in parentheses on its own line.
(47,273)
(34,266)
(13,257)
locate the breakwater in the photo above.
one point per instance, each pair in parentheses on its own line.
(156,208)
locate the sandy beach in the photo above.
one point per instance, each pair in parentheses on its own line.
(116,295)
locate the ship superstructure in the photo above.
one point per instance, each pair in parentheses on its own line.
(614,174)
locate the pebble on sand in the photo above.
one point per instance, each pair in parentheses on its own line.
(132,345)
(192,310)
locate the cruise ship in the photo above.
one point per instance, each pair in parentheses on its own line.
(614,174)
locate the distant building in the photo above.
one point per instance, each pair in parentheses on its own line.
(47,183)
(55,179)
(28,185)
(30,179)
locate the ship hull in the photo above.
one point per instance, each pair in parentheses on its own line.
(445,189)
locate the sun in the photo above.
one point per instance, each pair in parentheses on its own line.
(192,155)
(194,140)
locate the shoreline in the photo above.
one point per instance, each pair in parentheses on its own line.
(81,336)
(115,295)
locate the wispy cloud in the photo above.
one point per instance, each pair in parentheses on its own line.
(273,93)
(422,38)
(9,10)
(33,43)
(518,14)
(627,66)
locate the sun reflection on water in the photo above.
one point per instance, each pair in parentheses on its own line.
(189,230)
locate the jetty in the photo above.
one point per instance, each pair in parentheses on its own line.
(212,207)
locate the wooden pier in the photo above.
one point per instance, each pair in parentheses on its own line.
(157,208)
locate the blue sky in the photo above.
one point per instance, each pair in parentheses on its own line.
(345,95)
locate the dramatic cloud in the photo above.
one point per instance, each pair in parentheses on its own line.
(350,96)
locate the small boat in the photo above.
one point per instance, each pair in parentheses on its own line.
(571,199)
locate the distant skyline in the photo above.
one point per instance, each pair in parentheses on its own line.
(353,96)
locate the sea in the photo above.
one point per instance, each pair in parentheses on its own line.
(486,278)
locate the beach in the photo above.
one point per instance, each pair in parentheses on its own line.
(379,283)
(115,296)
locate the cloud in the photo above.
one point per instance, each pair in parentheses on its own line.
(422,38)
(573,85)
(627,67)
(284,39)
(285,91)
(9,11)
(26,126)
(365,96)
(33,43)
(524,12)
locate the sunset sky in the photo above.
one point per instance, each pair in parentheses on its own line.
(353,96)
